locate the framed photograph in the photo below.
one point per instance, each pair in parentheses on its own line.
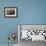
(10,12)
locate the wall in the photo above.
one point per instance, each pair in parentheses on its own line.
(29,12)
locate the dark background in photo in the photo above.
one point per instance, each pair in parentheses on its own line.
(10,12)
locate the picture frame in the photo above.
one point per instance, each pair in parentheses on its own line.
(10,12)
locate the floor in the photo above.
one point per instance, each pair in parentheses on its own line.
(30,43)
(7,45)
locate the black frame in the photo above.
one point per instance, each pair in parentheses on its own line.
(11,16)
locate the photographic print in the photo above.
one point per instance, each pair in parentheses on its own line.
(11,12)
